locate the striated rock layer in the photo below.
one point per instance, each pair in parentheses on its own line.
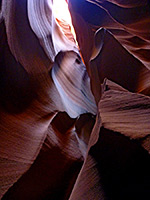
(75,121)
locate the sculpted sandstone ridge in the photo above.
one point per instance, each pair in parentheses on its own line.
(75,108)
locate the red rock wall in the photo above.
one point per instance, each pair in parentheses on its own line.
(68,129)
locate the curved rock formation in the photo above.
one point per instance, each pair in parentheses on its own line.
(75,121)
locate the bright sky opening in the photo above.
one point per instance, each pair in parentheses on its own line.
(61,12)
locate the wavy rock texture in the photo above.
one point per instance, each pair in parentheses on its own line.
(125,112)
(128,21)
(72,81)
(29,99)
(118,50)
(72,129)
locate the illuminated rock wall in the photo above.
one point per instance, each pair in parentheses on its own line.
(75,121)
